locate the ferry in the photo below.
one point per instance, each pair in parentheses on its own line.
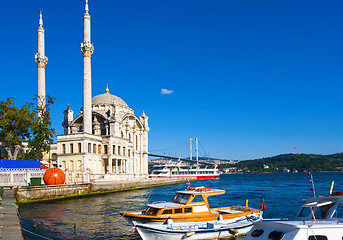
(190,205)
(173,170)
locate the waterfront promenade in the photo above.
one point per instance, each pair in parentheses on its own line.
(9,221)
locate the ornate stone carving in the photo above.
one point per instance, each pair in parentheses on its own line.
(41,60)
(87,48)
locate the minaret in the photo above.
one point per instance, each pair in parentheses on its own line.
(41,61)
(87,50)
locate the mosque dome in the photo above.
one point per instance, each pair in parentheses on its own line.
(108,99)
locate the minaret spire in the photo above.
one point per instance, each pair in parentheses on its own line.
(41,61)
(87,50)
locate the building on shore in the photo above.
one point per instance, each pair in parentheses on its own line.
(106,137)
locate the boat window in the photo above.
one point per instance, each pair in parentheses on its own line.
(317,237)
(339,211)
(305,212)
(177,210)
(275,235)
(152,211)
(257,232)
(184,199)
(177,198)
(198,198)
(323,211)
(188,210)
(167,211)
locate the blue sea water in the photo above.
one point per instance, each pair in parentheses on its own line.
(98,217)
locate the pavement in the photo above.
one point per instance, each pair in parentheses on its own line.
(9,220)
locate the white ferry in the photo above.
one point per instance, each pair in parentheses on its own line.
(172,170)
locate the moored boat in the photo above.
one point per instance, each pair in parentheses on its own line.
(320,218)
(187,206)
(200,230)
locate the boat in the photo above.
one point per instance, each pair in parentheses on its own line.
(199,230)
(174,170)
(320,218)
(190,205)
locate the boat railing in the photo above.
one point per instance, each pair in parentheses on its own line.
(159,202)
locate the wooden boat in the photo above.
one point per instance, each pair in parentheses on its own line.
(199,230)
(190,205)
(320,218)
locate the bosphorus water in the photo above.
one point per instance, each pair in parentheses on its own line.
(98,217)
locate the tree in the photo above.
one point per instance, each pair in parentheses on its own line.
(42,133)
(15,126)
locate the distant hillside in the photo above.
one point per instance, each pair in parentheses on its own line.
(298,162)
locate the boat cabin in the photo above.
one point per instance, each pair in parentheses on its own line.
(324,208)
(188,201)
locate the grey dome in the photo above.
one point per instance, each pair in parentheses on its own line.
(108,99)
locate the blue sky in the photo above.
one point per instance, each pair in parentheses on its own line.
(249,78)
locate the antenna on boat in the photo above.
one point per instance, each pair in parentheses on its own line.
(331,187)
(311,181)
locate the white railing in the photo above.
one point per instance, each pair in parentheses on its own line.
(18,177)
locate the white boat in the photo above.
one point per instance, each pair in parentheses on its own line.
(320,218)
(198,230)
(173,170)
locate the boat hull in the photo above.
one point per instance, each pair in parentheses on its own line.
(192,231)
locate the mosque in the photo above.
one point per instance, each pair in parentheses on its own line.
(106,137)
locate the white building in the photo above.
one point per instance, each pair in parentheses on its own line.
(106,137)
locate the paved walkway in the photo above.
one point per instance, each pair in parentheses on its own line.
(9,220)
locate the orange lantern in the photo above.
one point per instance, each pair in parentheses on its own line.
(54,176)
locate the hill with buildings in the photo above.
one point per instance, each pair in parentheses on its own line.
(288,163)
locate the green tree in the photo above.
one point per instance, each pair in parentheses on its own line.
(42,132)
(15,126)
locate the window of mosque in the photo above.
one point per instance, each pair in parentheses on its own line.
(89,148)
(105,149)
(130,137)
(71,165)
(94,148)
(122,134)
(119,150)
(71,148)
(136,142)
(79,147)
(114,149)
(99,149)
(124,151)
(129,152)
(79,165)
(63,148)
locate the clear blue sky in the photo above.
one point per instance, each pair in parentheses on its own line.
(249,78)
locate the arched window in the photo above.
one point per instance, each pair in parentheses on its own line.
(119,150)
(79,163)
(105,149)
(130,137)
(114,149)
(136,142)
(89,148)
(99,149)
(79,147)
(124,151)
(122,134)
(71,148)
(94,148)
(128,152)
(71,165)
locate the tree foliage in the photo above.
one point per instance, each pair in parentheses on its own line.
(26,124)
(15,124)
(42,132)
(299,162)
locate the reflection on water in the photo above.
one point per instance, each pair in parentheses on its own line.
(98,217)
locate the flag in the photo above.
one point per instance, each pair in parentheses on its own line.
(262,205)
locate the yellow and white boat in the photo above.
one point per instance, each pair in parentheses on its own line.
(187,206)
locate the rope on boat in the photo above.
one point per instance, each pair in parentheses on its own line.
(23,229)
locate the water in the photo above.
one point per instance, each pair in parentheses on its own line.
(98,217)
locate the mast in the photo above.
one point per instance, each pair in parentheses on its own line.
(41,61)
(87,49)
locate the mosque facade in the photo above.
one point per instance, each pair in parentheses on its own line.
(106,137)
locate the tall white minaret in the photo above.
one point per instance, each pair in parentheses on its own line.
(87,50)
(41,61)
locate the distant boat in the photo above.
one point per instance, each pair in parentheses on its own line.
(174,170)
